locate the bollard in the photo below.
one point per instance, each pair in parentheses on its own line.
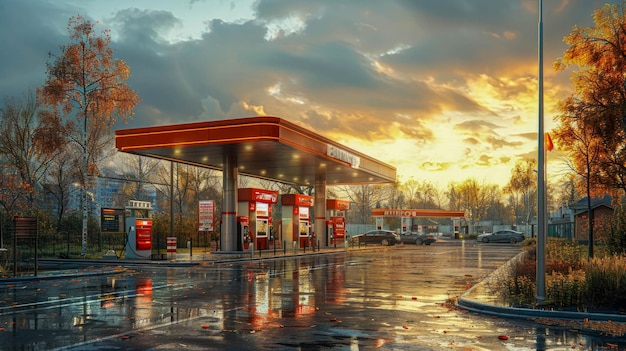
(171,247)
(295,247)
(190,247)
(251,249)
(284,247)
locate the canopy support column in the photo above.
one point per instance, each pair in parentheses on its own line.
(229,212)
(319,210)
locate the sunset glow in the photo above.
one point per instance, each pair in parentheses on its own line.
(439,91)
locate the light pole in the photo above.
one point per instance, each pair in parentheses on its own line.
(541,177)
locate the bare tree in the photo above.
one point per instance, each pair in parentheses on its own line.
(23,144)
(472,197)
(59,182)
(364,197)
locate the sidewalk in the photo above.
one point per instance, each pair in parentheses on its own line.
(61,268)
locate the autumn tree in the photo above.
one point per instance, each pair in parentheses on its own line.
(13,191)
(87,83)
(522,187)
(593,118)
(599,98)
(584,149)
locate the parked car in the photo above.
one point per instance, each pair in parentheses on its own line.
(378,237)
(418,239)
(502,236)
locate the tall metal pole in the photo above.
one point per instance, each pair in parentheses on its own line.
(172,198)
(541,178)
(85,197)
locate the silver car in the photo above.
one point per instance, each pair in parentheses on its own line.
(502,236)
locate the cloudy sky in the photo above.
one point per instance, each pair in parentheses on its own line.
(442,90)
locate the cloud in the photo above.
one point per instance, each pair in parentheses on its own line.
(447,84)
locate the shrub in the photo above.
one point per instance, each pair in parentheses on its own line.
(566,289)
(606,277)
(520,290)
(572,281)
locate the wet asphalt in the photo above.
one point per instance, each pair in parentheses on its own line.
(386,298)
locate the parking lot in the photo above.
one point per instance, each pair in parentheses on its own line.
(395,297)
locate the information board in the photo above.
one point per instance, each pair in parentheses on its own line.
(206,213)
(112,220)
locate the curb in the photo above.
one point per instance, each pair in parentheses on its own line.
(468,304)
(529,313)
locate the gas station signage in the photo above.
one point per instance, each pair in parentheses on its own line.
(390,212)
(206,215)
(257,195)
(343,155)
(298,200)
(339,205)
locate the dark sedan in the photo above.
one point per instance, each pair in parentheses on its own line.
(377,237)
(502,236)
(418,238)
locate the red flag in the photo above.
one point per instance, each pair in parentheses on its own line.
(549,144)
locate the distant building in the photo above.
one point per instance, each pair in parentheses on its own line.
(111,191)
(602,210)
(572,222)
(561,223)
(108,192)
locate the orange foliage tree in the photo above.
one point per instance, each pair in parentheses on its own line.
(87,83)
(592,119)
(13,192)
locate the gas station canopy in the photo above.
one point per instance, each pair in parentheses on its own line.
(264,147)
(393,212)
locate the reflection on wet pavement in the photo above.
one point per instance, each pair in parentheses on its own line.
(383,298)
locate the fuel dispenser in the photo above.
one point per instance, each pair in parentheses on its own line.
(139,226)
(336,224)
(256,205)
(297,219)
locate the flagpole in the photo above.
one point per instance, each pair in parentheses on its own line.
(541,178)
